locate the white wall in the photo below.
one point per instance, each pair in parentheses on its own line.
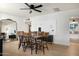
(60,23)
(21,26)
(0,26)
(46,22)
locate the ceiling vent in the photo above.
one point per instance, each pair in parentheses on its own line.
(56,9)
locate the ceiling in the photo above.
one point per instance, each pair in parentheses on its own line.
(14,8)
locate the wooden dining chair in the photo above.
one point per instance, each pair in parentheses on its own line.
(39,42)
(30,42)
(45,40)
(20,35)
(27,40)
(35,42)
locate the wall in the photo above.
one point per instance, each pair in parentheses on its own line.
(0,26)
(21,26)
(46,22)
(60,23)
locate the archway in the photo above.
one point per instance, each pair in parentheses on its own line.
(9,28)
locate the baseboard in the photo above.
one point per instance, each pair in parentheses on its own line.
(59,43)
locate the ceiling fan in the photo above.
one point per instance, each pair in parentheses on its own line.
(32,7)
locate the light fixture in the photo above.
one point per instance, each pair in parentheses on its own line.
(28,22)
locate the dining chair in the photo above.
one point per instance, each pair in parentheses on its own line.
(34,42)
(20,35)
(39,42)
(27,41)
(45,40)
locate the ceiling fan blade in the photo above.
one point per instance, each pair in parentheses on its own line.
(37,10)
(38,6)
(27,4)
(24,8)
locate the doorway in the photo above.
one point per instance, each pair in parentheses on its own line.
(74,30)
(9,28)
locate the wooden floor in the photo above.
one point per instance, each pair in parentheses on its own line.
(11,49)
